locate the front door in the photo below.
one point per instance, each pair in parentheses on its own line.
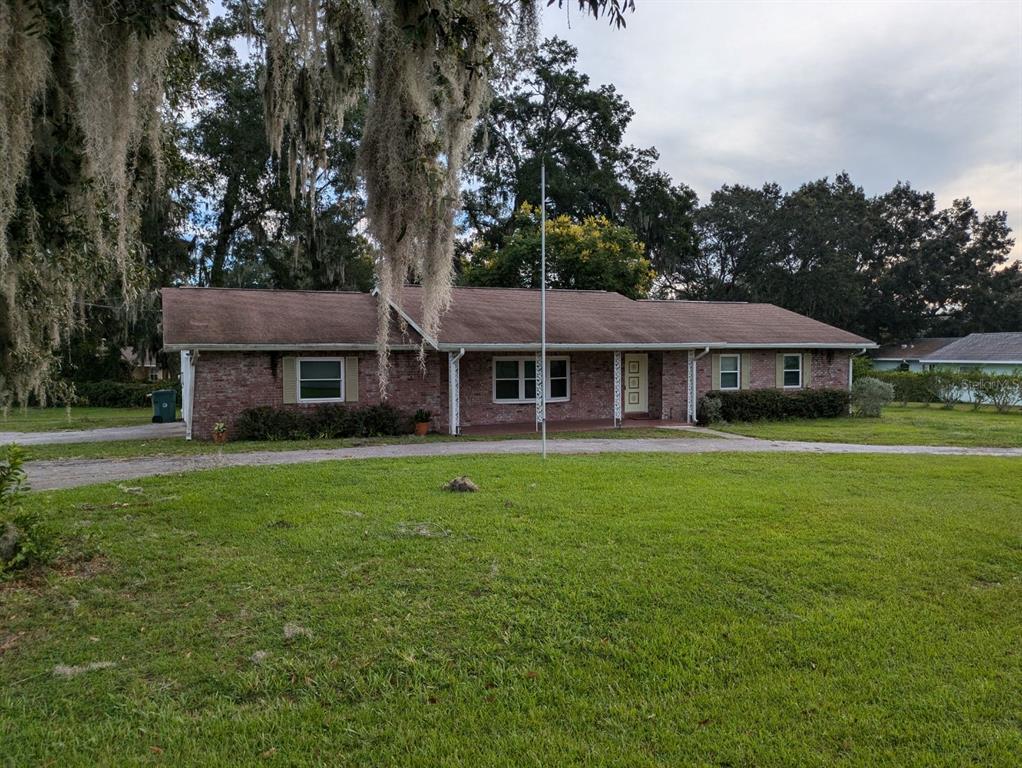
(636,389)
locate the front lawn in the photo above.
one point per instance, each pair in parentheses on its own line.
(177,446)
(84,417)
(914,424)
(639,610)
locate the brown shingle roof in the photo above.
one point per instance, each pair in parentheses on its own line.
(511,316)
(913,349)
(207,317)
(981,348)
(225,317)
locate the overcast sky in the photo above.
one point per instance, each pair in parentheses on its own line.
(748,92)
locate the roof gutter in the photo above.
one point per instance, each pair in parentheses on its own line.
(318,346)
(971,362)
(628,346)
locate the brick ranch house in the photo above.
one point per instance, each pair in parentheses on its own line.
(609,357)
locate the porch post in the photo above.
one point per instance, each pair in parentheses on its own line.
(540,390)
(454,391)
(692,390)
(187,389)
(617,389)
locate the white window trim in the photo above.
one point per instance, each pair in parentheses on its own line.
(521,359)
(298,380)
(737,371)
(785,370)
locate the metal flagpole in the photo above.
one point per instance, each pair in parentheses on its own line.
(542,295)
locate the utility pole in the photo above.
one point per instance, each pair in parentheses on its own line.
(541,385)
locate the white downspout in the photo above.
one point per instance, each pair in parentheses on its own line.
(693,385)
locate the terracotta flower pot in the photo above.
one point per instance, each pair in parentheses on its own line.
(219,438)
(421,428)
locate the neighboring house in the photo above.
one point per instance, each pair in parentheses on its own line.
(609,357)
(906,356)
(144,367)
(987,352)
(997,353)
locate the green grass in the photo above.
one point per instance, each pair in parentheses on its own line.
(122,449)
(51,419)
(900,425)
(743,610)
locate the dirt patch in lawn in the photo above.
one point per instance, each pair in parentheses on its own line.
(66,672)
(422,530)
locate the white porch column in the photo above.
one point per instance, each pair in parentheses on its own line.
(454,391)
(540,390)
(187,389)
(617,389)
(692,388)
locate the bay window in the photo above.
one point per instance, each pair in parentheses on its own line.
(514,379)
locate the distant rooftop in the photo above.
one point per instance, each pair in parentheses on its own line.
(914,349)
(981,348)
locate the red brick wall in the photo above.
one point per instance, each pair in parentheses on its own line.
(592,391)
(227,383)
(655,387)
(674,377)
(830,370)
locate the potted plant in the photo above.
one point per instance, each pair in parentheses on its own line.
(219,433)
(422,419)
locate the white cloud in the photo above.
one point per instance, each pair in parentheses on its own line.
(746,92)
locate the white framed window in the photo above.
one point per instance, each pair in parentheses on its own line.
(514,379)
(321,380)
(792,371)
(730,372)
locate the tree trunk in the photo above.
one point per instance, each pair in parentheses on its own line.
(225,228)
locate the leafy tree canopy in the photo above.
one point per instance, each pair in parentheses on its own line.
(550,111)
(892,266)
(587,254)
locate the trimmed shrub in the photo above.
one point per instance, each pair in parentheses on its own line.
(269,423)
(909,386)
(122,394)
(708,410)
(869,396)
(774,404)
(324,421)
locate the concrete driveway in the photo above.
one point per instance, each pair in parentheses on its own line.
(104,434)
(70,473)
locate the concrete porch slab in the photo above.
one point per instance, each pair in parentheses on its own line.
(581,425)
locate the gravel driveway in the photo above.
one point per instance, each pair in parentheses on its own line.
(70,473)
(102,435)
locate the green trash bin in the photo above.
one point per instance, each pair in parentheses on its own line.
(164,406)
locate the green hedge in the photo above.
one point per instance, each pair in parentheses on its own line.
(909,386)
(948,386)
(774,404)
(324,421)
(121,394)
